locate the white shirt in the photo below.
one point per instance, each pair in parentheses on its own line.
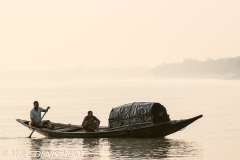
(36,115)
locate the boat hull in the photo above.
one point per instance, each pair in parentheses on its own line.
(158,130)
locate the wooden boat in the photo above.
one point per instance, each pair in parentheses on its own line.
(144,129)
(76,131)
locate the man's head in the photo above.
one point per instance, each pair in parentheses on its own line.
(36,104)
(90,113)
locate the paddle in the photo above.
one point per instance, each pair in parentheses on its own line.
(39,122)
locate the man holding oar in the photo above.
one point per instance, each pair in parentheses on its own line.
(35,115)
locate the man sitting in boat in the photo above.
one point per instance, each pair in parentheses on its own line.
(90,123)
(35,115)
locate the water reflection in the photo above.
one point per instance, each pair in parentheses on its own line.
(39,147)
(120,148)
(92,148)
(153,148)
(35,145)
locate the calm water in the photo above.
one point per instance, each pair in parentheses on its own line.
(215,136)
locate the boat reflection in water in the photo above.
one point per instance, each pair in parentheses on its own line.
(36,145)
(154,148)
(120,148)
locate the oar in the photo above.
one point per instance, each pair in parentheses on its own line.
(39,122)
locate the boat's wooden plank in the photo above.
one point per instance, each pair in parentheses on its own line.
(67,125)
(58,127)
(64,129)
(75,130)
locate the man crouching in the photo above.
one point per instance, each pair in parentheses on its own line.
(90,123)
(35,115)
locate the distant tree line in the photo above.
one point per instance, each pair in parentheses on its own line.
(195,68)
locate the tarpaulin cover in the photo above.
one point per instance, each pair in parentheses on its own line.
(137,112)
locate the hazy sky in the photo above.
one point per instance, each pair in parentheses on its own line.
(51,34)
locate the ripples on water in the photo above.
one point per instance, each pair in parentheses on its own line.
(119,148)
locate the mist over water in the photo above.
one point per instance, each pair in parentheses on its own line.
(215,136)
